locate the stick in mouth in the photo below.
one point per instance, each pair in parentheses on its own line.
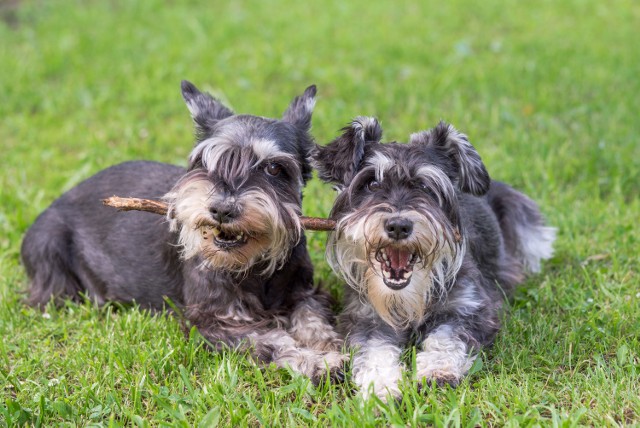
(159,207)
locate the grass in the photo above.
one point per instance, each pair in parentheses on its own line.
(547,91)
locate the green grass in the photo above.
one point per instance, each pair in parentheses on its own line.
(547,91)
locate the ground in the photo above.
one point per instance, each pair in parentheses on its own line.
(547,92)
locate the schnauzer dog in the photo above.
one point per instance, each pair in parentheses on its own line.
(430,247)
(232,255)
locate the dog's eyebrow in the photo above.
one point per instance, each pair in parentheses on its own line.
(382,163)
(267,149)
(437,177)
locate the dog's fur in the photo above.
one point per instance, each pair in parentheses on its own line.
(232,255)
(430,247)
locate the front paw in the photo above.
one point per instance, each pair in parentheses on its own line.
(442,369)
(383,382)
(331,364)
(313,364)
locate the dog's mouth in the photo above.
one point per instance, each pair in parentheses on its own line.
(396,264)
(225,239)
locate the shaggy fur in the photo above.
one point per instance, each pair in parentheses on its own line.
(231,253)
(429,246)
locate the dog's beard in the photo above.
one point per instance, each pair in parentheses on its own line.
(400,279)
(264,234)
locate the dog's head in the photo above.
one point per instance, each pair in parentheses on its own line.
(238,204)
(398,239)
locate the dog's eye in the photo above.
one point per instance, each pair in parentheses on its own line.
(374,185)
(273,169)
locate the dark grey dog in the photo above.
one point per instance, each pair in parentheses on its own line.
(430,247)
(232,254)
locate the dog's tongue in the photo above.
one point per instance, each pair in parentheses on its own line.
(399,258)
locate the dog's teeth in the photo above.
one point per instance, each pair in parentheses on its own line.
(384,256)
(215,231)
(238,237)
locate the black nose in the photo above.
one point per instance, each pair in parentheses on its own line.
(398,228)
(223,213)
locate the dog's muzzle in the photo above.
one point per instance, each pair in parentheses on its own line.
(396,265)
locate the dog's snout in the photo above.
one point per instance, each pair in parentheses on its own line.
(398,228)
(223,213)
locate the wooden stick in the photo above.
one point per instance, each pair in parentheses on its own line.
(158,207)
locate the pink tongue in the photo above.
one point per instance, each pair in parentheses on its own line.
(399,258)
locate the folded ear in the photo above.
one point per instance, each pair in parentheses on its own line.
(299,111)
(338,162)
(464,164)
(205,110)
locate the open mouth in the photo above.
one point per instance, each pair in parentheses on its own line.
(224,239)
(396,265)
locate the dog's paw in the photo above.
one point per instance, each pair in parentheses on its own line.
(443,370)
(440,379)
(313,364)
(333,365)
(444,358)
(383,382)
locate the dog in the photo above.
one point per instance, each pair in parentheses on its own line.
(430,247)
(231,254)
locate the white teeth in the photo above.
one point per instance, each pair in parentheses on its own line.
(384,255)
(215,231)
(239,237)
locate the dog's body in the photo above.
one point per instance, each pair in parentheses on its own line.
(232,254)
(430,247)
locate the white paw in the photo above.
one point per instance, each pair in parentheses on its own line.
(444,360)
(379,381)
(314,364)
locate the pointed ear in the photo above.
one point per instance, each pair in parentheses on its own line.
(464,164)
(299,111)
(205,110)
(339,161)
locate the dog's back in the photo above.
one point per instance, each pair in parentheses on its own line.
(77,244)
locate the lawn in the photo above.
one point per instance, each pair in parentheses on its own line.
(548,92)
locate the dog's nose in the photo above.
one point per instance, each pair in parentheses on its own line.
(398,228)
(223,213)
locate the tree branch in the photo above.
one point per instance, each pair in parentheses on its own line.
(158,207)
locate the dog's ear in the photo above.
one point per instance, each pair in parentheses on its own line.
(299,111)
(205,110)
(339,161)
(468,170)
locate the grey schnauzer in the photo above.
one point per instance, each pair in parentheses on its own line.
(231,254)
(430,247)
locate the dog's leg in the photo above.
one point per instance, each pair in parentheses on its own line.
(376,366)
(444,357)
(452,339)
(278,347)
(265,339)
(47,255)
(311,324)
